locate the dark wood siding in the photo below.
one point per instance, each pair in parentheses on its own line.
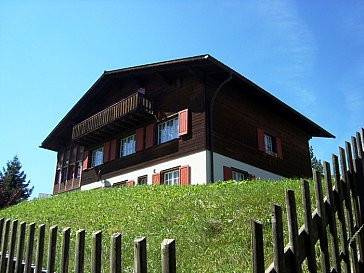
(237,117)
(168,101)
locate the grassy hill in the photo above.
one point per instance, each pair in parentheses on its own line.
(211,223)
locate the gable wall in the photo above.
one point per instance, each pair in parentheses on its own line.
(236,119)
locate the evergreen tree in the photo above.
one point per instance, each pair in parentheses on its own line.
(14,186)
(316,163)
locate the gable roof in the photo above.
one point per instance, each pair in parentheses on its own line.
(208,64)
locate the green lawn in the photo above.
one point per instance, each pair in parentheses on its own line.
(211,223)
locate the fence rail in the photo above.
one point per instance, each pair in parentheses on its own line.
(335,228)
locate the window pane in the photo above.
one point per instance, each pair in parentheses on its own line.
(171,178)
(127,146)
(97,157)
(268,143)
(168,130)
(238,176)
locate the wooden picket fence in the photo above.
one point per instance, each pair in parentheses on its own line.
(20,264)
(336,222)
(335,228)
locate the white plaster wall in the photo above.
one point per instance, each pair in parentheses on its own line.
(197,163)
(220,161)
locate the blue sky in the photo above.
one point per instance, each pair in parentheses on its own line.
(309,54)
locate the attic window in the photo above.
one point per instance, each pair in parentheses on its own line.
(268,145)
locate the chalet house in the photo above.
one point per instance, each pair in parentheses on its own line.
(179,122)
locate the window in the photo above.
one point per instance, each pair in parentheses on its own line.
(268,144)
(168,130)
(171,177)
(238,176)
(97,157)
(120,184)
(127,146)
(143,180)
(79,161)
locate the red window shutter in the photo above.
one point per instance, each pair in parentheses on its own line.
(106,151)
(139,139)
(113,144)
(260,133)
(85,160)
(183,122)
(149,136)
(156,178)
(228,173)
(279,148)
(184,175)
(130,183)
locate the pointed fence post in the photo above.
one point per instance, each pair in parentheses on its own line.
(331,208)
(358,174)
(307,211)
(14,229)
(293,230)
(1,232)
(115,253)
(349,210)
(20,248)
(4,246)
(168,253)
(324,250)
(40,250)
(65,250)
(29,250)
(96,252)
(278,240)
(140,255)
(52,244)
(339,189)
(257,247)
(80,251)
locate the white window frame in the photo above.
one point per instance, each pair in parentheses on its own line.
(127,146)
(171,177)
(268,145)
(168,130)
(238,176)
(97,157)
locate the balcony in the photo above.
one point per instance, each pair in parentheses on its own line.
(128,112)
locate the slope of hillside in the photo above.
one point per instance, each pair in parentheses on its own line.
(211,223)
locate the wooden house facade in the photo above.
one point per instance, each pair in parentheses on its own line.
(179,122)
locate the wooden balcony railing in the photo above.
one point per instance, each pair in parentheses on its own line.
(136,102)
